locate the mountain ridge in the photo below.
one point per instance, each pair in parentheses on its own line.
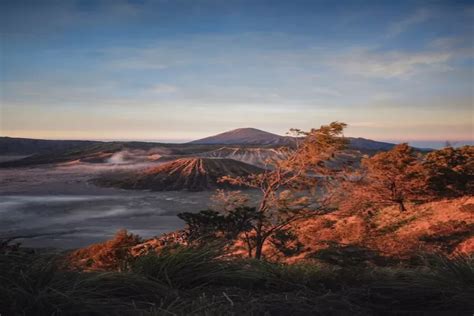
(245,136)
(254,136)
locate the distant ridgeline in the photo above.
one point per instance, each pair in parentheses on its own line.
(249,145)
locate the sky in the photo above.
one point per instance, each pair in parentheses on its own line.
(181,70)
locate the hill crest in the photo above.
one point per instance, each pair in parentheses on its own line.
(245,136)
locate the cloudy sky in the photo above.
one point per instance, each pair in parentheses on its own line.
(180,70)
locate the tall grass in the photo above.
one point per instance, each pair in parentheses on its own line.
(186,267)
(200,281)
(456,272)
(35,285)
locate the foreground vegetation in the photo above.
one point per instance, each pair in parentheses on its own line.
(200,281)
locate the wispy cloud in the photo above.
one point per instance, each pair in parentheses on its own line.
(460,47)
(403,25)
(390,64)
(163,88)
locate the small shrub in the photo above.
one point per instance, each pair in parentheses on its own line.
(287,243)
(112,255)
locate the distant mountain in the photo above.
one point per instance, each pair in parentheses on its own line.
(28,146)
(246,136)
(193,174)
(368,145)
(59,151)
(253,136)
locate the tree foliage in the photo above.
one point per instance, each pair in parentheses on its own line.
(212,226)
(392,177)
(291,188)
(450,171)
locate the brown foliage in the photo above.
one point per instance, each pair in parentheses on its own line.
(392,177)
(451,171)
(108,256)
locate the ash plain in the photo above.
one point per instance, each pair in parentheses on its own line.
(56,206)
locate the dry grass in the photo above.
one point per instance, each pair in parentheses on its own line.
(396,233)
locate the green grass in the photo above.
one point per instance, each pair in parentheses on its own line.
(189,281)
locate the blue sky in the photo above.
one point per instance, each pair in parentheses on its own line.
(180,70)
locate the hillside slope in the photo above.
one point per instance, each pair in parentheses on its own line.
(193,174)
(443,226)
(253,156)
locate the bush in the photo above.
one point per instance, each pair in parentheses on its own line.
(112,255)
(209,225)
(451,171)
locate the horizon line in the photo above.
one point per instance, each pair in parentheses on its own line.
(181,141)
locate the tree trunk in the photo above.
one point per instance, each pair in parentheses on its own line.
(258,245)
(259,240)
(402,206)
(258,251)
(249,246)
